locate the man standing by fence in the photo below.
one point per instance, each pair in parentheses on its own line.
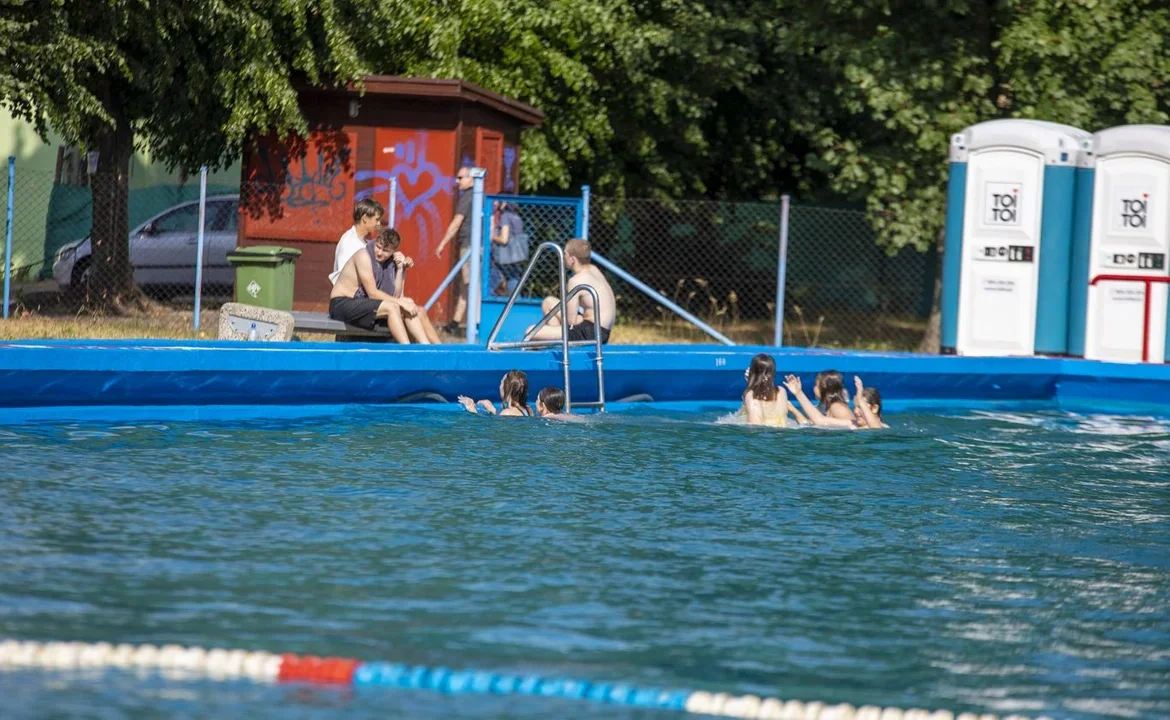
(460,227)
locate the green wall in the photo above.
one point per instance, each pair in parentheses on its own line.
(47,215)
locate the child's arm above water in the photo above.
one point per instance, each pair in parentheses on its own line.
(800,419)
(469,405)
(870,418)
(815,416)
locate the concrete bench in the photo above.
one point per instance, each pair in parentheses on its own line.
(314,322)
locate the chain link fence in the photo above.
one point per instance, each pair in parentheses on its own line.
(529,223)
(716,260)
(845,291)
(77,241)
(719,261)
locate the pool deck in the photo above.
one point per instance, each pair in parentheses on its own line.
(96,374)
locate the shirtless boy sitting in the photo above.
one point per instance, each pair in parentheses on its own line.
(365,292)
(584,319)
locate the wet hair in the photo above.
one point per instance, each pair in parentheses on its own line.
(553,399)
(389,239)
(515,391)
(762,377)
(579,249)
(873,398)
(365,208)
(831,387)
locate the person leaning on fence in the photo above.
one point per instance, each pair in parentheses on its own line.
(367,218)
(365,292)
(509,250)
(460,227)
(584,319)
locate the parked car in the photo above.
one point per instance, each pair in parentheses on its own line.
(163,249)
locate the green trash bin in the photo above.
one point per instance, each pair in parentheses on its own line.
(265,275)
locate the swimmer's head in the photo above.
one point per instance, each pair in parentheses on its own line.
(873,398)
(386,244)
(514,390)
(829,388)
(550,401)
(761,377)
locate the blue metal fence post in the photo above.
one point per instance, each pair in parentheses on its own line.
(199,243)
(474,288)
(583,214)
(781,270)
(8,233)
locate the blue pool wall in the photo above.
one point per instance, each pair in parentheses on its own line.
(69,375)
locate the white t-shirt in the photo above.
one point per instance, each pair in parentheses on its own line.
(349,244)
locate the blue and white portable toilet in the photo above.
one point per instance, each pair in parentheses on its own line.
(1122,231)
(1009,238)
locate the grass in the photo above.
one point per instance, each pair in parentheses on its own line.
(177,325)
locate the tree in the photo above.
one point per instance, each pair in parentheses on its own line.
(910,74)
(191,79)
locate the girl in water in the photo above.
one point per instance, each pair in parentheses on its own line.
(763,402)
(867,407)
(863,416)
(513,397)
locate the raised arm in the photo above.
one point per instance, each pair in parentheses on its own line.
(815,416)
(504,236)
(871,420)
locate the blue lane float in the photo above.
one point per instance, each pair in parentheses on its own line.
(306,378)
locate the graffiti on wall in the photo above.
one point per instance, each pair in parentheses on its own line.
(509,164)
(300,190)
(422,183)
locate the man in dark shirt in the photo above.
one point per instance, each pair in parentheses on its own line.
(460,227)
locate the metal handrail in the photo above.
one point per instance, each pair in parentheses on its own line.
(1148,280)
(564,342)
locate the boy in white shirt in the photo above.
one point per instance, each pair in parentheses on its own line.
(367,218)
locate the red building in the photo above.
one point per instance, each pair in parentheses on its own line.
(300,193)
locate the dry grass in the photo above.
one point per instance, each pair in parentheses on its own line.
(899,334)
(173,326)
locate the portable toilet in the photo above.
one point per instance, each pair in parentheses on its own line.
(1009,238)
(1118,297)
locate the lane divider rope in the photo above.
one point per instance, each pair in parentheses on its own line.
(264,667)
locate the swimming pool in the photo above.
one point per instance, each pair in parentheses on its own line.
(1005,558)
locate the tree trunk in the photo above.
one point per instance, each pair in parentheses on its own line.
(111,278)
(932,339)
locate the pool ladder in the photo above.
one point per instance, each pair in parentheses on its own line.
(564,342)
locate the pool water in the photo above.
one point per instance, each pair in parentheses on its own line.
(996,561)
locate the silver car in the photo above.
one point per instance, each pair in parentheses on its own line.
(162,249)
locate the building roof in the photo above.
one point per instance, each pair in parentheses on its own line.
(452,90)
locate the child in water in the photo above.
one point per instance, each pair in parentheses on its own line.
(867,407)
(763,402)
(834,401)
(513,397)
(550,405)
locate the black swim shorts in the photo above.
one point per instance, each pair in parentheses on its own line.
(584,331)
(361,312)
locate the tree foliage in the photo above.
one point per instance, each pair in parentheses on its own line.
(191,79)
